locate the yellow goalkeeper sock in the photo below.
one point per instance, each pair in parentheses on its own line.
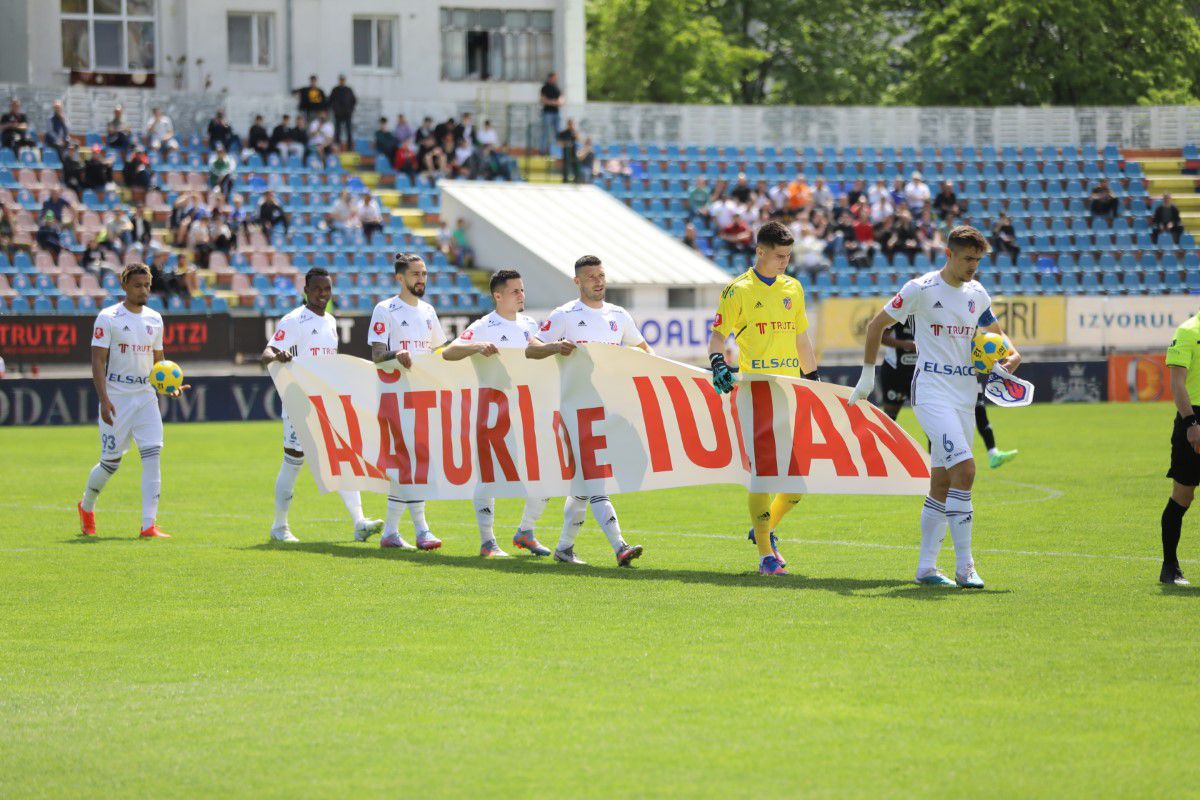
(781,505)
(760,518)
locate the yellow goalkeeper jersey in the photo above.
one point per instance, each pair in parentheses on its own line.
(765,321)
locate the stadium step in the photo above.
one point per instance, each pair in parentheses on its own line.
(1157,184)
(350,160)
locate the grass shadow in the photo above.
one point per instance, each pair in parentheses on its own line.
(94,539)
(530,564)
(911,591)
(1171,590)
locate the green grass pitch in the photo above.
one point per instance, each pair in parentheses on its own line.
(214,664)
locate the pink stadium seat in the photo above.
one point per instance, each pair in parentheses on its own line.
(218,263)
(67,263)
(49,178)
(89,285)
(28,179)
(176,182)
(44,262)
(241,286)
(196,182)
(5,289)
(259,262)
(67,286)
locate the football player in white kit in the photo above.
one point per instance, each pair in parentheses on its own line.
(947,307)
(506,327)
(307,332)
(588,319)
(127,340)
(401,326)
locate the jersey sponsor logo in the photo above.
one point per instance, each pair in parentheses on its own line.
(133,380)
(763,327)
(468,335)
(134,348)
(379,327)
(279,335)
(787,303)
(948,369)
(897,302)
(581,324)
(774,363)
(323,351)
(952,330)
(100,334)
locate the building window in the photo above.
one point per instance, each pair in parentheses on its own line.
(496,44)
(374,42)
(108,35)
(251,40)
(681,297)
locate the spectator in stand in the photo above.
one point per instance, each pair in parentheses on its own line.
(119,135)
(1102,203)
(342,102)
(1004,238)
(385,141)
(220,171)
(72,170)
(492,164)
(878,189)
(370,215)
(140,232)
(902,238)
(185,208)
(861,249)
(320,135)
(405,159)
(946,202)
(138,174)
(98,171)
(487,135)
(444,129)
(403,131)
(898,198)
(808,253)
(284,141)
(92,258)
(220,132)
(431,160)
(698,198)
(1166,219)
(112,235)
(271,214)
(237,218)
(916,193)
(798,194)
(258,140)
(58,132)
(299,135)
(857,196)
(822,197)
(343,215)
(741,189)
(465,130)
(552,100)
(6,231)
(585,157)
(220,235)
(568,138)
(14,128)
(160,132)
(49,235)
(312,100)
(931,234)
(689,236)
(464,255)
(59,206)
(882,208)
(425,131)
(463,152)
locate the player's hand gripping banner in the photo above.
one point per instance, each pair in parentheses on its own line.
(600,421)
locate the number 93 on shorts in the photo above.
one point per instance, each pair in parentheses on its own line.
(140,422)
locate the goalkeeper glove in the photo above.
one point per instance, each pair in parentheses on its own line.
(722,378)
(865,385)
(811,376)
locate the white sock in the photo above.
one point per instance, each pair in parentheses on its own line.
(960,516)
(933,532)
(395,510)
(353,501)
(97,478)
(485,517)
(574,510)
(606,516)
(992,451)
(416,510)
(534,506)
(151,483)
(285,486)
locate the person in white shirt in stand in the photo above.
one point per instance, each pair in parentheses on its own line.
(916,194)
(343,214)
(588,319)
(504,328)
(307,332)
(160,132)
(402,326)
(487,135)
(947,307)
(320,134)
(127,341)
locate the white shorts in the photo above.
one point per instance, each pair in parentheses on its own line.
(951,432)
(290,440)
(135,418)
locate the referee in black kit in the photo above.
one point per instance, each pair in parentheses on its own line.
(1183,362)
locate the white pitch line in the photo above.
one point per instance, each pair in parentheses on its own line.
(1050,494)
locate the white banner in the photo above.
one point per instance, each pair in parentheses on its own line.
(1127,323)
(600,421)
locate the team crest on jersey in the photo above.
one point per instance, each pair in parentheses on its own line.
(279,335)
(149,331)
(971,306)
(379,327)
(787,304)
(612,325)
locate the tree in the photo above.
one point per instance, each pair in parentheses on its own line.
(661,51)
(1061,52)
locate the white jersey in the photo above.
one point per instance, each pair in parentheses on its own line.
(398,326)
(305,334)
(131,340)
(581,324)
(944,320)
(500,331)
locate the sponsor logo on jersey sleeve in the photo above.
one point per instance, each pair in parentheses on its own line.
(379,327)
(717,321)
(897,301)
(545,326)
(468,335)
(99,333)
(279,335)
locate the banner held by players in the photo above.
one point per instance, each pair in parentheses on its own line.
(602,420)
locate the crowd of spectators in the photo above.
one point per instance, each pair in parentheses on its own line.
(451,148)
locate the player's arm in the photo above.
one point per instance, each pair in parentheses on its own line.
(159,355)
(100,379)
(1014,359)
(460,350)
(1183,403)
(270,354)
(381,353)
(808,357)
(644,346)
(889,340)
(537,349)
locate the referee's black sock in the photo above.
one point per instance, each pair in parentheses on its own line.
(1172,522)
(984,426)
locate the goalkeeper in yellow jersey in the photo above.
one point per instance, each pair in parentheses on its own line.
(764,310)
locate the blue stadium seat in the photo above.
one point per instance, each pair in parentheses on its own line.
(20,305)
(42,305)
